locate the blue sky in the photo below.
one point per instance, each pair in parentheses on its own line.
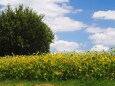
(79,25)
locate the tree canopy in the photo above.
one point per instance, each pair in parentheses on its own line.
(23,32)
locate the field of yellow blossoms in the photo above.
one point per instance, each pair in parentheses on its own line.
(59,66)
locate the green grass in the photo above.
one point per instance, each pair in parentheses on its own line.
(58,83)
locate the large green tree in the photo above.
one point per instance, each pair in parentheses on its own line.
(23,32)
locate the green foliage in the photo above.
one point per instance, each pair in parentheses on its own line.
(23,32)
(59,66)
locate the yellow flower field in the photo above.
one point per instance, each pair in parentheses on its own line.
(59,66)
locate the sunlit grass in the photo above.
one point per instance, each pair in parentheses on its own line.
(88,82)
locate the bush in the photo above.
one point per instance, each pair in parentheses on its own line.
(23,32)
(59,66)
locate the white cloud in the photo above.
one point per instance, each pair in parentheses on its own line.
(110,14)
(99,47)
(62,45)
(104,36)
(62,24)
(93,29)
(55,14)
(80,51)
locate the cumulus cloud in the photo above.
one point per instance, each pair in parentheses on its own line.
(80,51)
(55,12)
(103,36)
(110,14)
(99,47)
(61,45)
(62,24)
(93,29)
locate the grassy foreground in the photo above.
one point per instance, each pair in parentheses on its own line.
(88,82)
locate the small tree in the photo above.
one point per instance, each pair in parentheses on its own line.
(23,32)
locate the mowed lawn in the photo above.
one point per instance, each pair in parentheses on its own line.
(88,82)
